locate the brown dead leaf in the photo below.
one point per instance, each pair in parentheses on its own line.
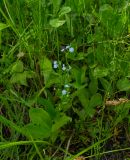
(116,102)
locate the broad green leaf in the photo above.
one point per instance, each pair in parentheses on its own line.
(41,123)
(100,72)
(56,22)
(95,100)
(39,116)
(17,67)
(19,78)
(38,131)
(64,10)
(3,26)
(123,84)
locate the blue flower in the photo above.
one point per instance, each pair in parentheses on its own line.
(64,92)
(71,49)
(55,64)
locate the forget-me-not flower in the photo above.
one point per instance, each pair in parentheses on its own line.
(71,49)
(55,64)
(64,92)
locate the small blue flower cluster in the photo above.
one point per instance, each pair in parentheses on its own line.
(64,68)
(64,91)
(55,63)
(55,66)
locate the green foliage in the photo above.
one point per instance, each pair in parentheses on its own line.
(62,63)
(123,84)
(42,125)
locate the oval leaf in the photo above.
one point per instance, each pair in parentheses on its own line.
(38,131)
(39,116)
(56,22)
(96,100)
(64,11)
(17,67)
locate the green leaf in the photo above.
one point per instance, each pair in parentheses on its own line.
(3,26)
(17,67)
(69,22)
(60,122)
(100,72)
(41,123)
(106,85)
(53,78)
(123,84)
(83,95)
(64,10)
(46,68)
(38,131)
(56,22)
(48,105)
(39,116)
(95,100)
(19,78)
(79,76)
